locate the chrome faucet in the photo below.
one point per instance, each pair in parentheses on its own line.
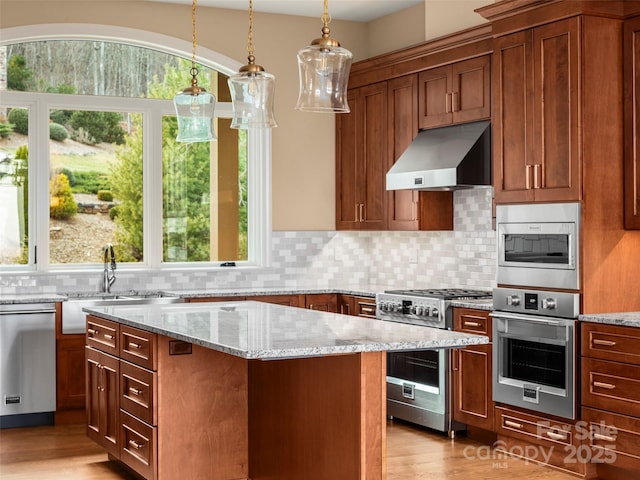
(108,275)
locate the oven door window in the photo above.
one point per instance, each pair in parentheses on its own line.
(535,362)
(419,366)
(536,248)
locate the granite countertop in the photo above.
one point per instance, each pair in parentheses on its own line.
(625,319)
(7,299)
(256,330)
(248,291)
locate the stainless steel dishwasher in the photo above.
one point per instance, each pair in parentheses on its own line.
(27,364)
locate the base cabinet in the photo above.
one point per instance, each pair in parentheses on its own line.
(471,373)
(611,398)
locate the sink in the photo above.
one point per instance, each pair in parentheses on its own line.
(74,319)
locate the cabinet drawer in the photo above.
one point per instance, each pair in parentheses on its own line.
(102,334)
(364,307)
(539,430)
(611,342)
(545,440)
(138,346)
(138,388)
(611,386)
(472,321)
(138,445)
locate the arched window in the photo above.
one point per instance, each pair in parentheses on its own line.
(88,157)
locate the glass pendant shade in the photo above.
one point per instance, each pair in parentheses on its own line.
(324,74)
(195,116)
(252,94)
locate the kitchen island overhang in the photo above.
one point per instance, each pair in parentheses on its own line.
(316,410)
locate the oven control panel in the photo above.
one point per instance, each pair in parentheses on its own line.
(540,302)
(407,309)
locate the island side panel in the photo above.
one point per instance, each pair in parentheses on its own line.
(202,414)
(317,418)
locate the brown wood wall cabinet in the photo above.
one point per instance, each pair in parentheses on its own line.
(472,372)
(361,160)
(611,397)
(423,87)
(632,122)
(558,128)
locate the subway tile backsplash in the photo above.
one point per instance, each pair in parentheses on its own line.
(464,257)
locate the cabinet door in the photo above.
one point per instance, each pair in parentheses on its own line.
(472,386)
(102,399)
(435,97)
(403,128)
(288,300)
(632,123)
(513,118)
(471,92)
(371,183)
(70,364)
(325,302)
(348,153)
(556,63)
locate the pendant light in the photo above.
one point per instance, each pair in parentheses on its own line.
(324,72)
(252,91)
(194,106)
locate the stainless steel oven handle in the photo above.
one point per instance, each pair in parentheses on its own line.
(528,318)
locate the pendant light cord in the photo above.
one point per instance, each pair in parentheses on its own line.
(250,34)
(194,69)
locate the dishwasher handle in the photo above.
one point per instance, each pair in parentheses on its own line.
(26,308)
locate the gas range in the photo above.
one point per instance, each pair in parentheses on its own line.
(426,307)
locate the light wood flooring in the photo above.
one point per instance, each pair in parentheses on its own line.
(64,452)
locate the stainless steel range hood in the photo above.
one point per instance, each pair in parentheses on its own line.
(446,158)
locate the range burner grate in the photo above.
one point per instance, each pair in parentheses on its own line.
(444,293)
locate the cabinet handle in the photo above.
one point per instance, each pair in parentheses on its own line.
(356,213)
(511,424)
(108,336)
(456,360)
(454,102)
(606,438)
(537,181)
(447,103)
(135,444)
(344,309)
(134,345)
(368,310)
(527,177)
(135,391)
(471,324)
(91,331)
(361,212)
(556,436)
(608,386)
(606,343)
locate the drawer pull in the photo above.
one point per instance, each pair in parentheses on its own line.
(134,345)
(608,386)
(108,337)
(606,438)
(135,444)
(606,343)
(556,436)
(135,391)
(368,310)
(511,424)
(92,331)
(471,324)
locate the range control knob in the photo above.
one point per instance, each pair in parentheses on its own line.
(426,311)
(549,303)
(434,312)
(513,300)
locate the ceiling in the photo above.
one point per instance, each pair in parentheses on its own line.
(355,10)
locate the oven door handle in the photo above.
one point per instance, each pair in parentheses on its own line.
(528,318)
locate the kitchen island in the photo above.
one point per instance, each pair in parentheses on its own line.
(238,390)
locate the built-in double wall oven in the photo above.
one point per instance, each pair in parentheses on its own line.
(536,306)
